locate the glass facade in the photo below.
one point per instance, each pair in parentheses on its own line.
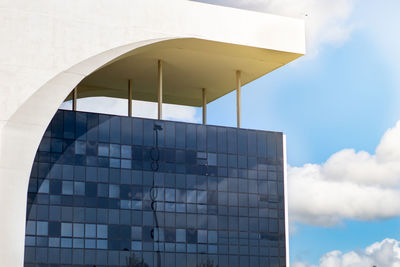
(118,191)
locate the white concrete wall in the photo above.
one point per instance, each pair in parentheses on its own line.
(48,46)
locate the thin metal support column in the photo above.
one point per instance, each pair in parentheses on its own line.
(204,106)
(130,96)
(74,98)
(238,98)
(160,88)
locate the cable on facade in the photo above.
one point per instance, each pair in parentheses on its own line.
(155,157)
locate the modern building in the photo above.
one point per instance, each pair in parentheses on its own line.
(86,189)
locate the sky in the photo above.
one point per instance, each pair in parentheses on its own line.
(339,106)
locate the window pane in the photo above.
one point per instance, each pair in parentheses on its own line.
(80,147)
(79,188)
(90,230)
(103,150)
(115,151)
(170,195)
(102,190)
(66,229)
(54,229)
(212,159)
(31,228)
(67,188)
(44,187)
(181,235)
(191,236)
(114,191)
(102,244)
(41,228)
(102,231)
(79,230)
(202,236)
(126,152)
(136,245)
(136,233)
(91,189)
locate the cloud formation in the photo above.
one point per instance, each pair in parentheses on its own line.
(382,254)
(143,109)
(327,22)
(349,185)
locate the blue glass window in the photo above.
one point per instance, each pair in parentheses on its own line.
(190,136)
(103,150)
(115,150)
(191,196)
(78,230)
(180,136)
(115,163)
(202,236)
(136,245)
(191,236)
(31,228)
(115,129)
(90,230)
(66,242)
(90,243)
(126,152)
(91,189)
(102,244)
(54,229)
(114,191)
(212,159)
(54,242)
(67,187)
(41,228)
(136,233)
(170,194)
(66,229)
(80,147)
(181,235)
(79,188)
(44,187)
(55,187)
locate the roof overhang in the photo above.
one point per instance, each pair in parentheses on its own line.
(201,54)
(188,66)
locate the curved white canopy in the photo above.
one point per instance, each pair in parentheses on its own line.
(189,65)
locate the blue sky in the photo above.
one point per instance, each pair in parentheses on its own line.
(339,106)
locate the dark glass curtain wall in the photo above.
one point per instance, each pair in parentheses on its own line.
(119,191)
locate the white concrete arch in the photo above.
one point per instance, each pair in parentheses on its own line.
(20,138)
(48,46)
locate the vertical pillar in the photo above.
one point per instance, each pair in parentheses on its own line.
(238,98)
(130,96)
(74,98)
(204,106)
(160,88)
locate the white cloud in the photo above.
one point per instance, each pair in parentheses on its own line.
(381,254)
(349,185)
(327,21)
(143,109)
(298,264)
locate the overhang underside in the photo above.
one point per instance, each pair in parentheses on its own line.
(188,66)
